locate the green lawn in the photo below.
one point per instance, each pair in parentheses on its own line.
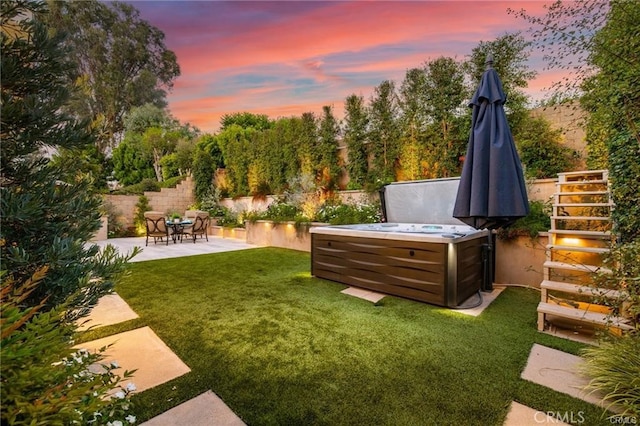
(283,348)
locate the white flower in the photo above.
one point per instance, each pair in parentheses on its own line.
(131,387)
(131,419)
(119,395)
(115,423)
(114,364)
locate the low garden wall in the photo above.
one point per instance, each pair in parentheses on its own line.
(267,233)
(519,261)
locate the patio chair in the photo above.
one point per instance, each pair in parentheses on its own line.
(200,226)
(156,224)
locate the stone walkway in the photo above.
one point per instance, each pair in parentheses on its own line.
(141,349)
(556,370)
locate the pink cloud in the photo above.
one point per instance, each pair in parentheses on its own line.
(336,48)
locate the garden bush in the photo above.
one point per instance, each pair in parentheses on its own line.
(344,214)
(538,220)
(50,275)
(44,380)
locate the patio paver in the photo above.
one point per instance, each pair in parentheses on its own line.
(143,350)
(361,293)
(487,298)
(180,249)
(559,371)
(111,309)
(521,415)
(206,409)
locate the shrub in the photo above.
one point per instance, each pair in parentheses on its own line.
(44,380)
(278,211)
(231,219)
(344,214)
(210,203)
(51,276)
(624,275)
(138,219)
(541,150)
(538,220)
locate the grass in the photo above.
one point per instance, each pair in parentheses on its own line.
(283,348)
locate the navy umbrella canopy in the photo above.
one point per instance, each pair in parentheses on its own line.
(492,192)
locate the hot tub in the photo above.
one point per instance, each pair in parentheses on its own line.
(440,264)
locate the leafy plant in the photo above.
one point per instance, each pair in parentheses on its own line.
(541,150)
(343,214)
(624,275)
(45,380)
(538,220)
(231,219)
(115,228)
(142,206)
(278,211)
(210,202)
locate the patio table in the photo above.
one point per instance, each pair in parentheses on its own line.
(178,227)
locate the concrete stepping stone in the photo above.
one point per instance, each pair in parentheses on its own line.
(111,309)
(143,350)
(361,293)
(559,371)
(206,409)
(487,298)
(521,415)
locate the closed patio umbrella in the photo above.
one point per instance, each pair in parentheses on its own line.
(492,192)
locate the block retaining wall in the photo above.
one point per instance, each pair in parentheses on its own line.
(167,200)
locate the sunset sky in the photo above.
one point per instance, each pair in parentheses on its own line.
(283,58)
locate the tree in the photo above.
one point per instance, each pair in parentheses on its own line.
(327,163)
(384,131)
(598,43)
(45,221)
(234,142)
(355,137)
(541,151)
(308,140)
(445,92)
(122,62)
(180,161)
(140,118)
(245,120)
(413,119)
(131,163)
(49,275)
(510,53)
(159,143)
(203,173)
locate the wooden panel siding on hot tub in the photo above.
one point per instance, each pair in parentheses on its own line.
(436,264)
